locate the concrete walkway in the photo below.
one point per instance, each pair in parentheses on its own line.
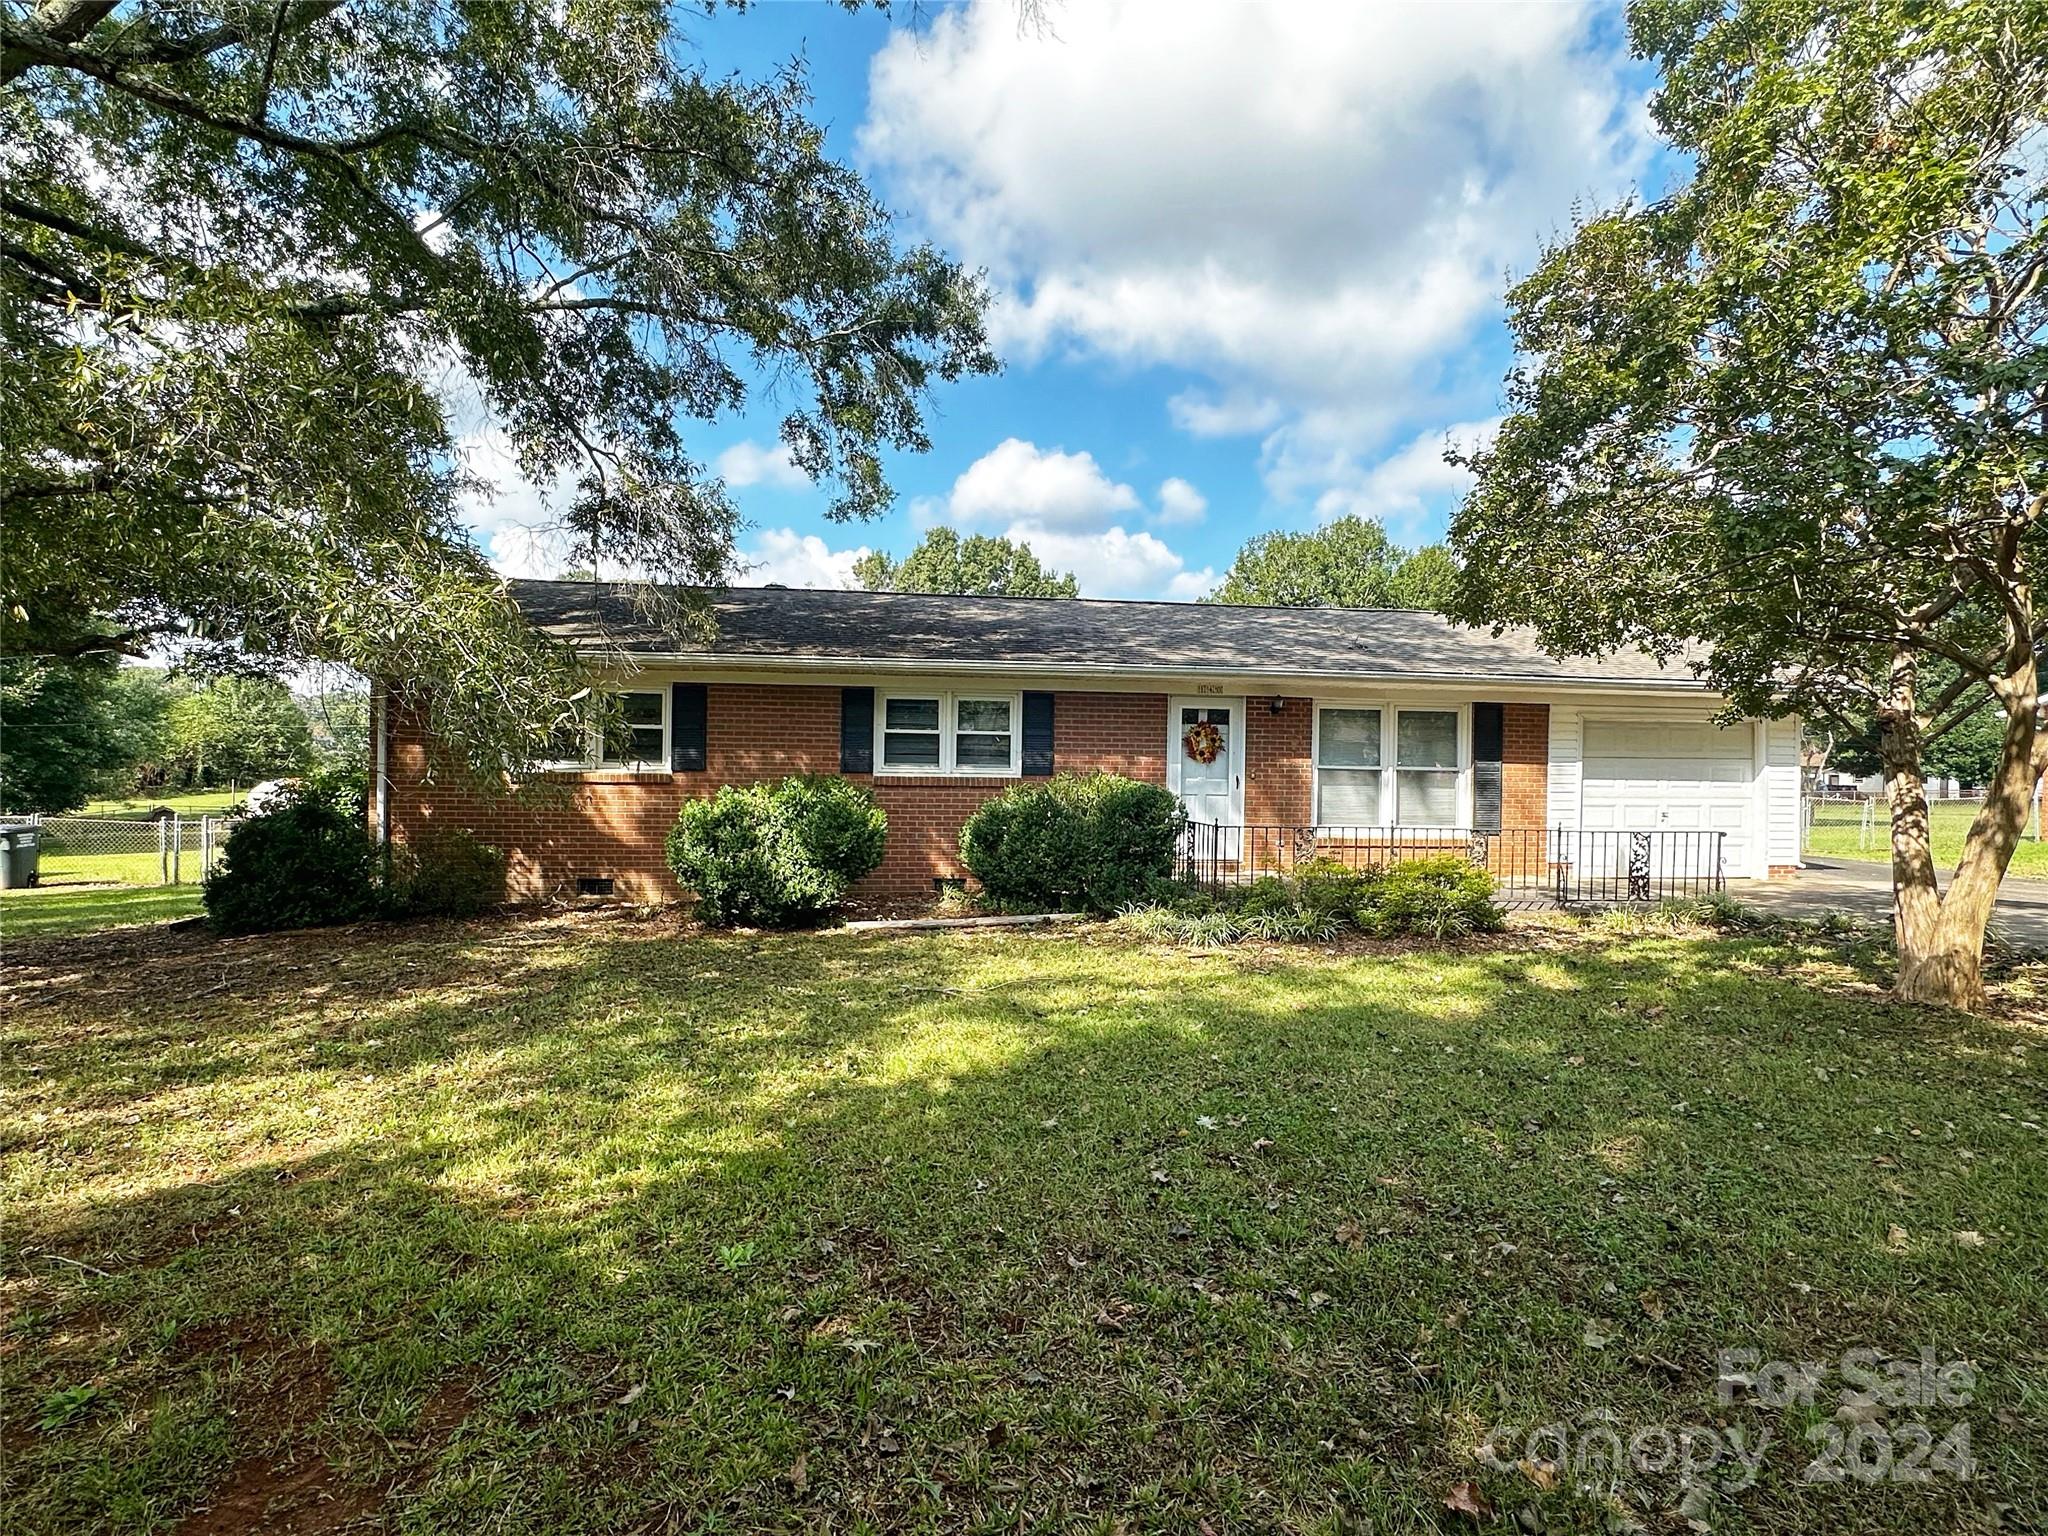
(1864,890)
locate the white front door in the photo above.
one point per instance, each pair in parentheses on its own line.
(1212,790)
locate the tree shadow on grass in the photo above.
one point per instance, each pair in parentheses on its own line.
(947,1233)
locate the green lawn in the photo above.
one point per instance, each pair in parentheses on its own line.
(40,912)
(196,803)
(1838,833)
(587,1224)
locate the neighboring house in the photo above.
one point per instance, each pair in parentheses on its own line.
(1323,717)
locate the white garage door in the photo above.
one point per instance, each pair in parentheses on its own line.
(1656,776)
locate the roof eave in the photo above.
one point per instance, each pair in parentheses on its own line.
(730,660)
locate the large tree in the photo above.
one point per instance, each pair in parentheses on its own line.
(978,566)
(1793,414)
(237,730)
(1347,563)
(59,732)
(249,249)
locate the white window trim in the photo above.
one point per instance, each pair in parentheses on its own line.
(948,765)
(1390,712)
(593,748)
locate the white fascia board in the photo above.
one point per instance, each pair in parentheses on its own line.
(1118,677)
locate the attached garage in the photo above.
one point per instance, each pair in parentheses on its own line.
(1675,776)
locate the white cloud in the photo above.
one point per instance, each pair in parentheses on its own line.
(511,517)
(1180,502)
(1233,414)
(1309,206)
(1016,479)
(751,463)
(1111,562)
(1412,490)
(1069,511)
(792,559)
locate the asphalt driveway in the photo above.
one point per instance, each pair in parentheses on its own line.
(1864,890)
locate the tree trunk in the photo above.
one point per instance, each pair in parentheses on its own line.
(1939,935)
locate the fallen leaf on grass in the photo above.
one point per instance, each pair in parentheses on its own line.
(1540,1472)
(1895,1238)
(1653,1306)
(799,1473)
(1969,1239)
(1466,1499)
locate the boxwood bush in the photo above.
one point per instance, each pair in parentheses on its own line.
(1090,843)
(444,873)
(299,865)
(776,855)
(1441,897)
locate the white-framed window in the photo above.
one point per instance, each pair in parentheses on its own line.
(1348,766)
(933,731)
(1388,765)
(631,733)
(1426,767)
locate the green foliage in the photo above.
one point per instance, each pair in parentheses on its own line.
(58,732)
(342,782)
(1348,563)
(1090,843)
(69,1405)
(444,873)
(1441,897)
(978,566)
(242,246)
(1438,898)
(301,865)
(776,855)
(1792,412)
(240,730)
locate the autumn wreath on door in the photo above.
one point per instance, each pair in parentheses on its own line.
(1203,741)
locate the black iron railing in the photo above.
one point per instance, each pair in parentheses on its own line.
(1562,865)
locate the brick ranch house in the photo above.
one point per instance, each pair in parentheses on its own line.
(1323,718)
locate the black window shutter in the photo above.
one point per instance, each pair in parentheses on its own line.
(686,722)
(1488,736)
(856,730)
(1037,735)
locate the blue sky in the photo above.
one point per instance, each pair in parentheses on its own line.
(1248,260)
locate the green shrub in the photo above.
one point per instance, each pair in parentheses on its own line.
(444,873)
(1440,898)
(297,866)
(1093,843)
(776,855)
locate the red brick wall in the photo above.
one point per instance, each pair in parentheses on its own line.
(613,825)
(1525,765)
(1278,776)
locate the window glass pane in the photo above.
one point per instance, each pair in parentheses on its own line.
(1426,799)
(911,715)
(914,749)
(984,714)
(1349,738)
(977,749)
(641,709)
(1426,738)
(1210,713)
(1348,797)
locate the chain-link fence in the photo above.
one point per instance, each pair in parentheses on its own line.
(113,850)
(1860,826)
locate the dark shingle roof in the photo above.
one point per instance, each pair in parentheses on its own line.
(784,624)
